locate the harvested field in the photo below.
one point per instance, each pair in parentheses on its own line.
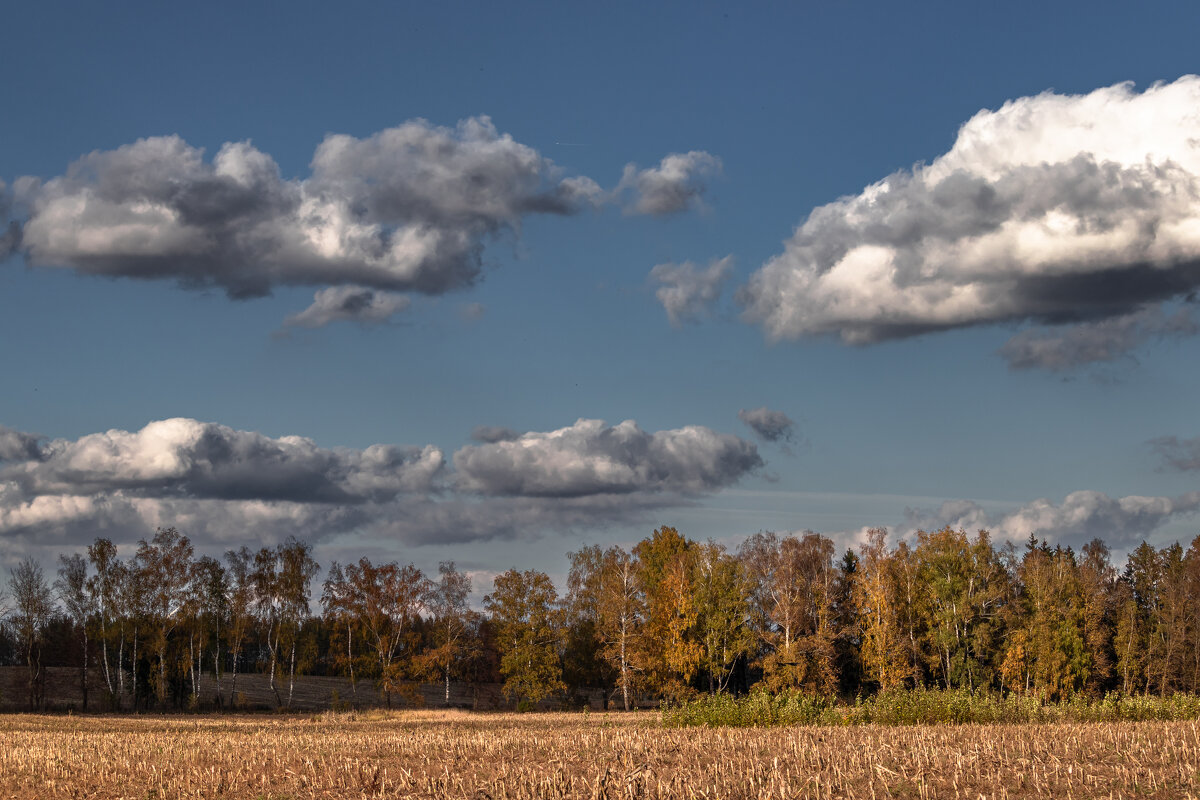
(459,754)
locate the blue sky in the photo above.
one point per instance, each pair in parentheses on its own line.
(791,107)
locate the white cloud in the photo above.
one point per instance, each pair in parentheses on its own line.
(675,185)
(770,425)
(349,303)
(1055,208)
(687,292)
(1080,517)
(406,209)
(592,458)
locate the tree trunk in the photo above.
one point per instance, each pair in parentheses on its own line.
(292,670)
(350,660)
(120,700)
(83,676)
(107,675)
(274,648)
(233,683)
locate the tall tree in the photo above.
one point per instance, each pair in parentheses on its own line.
(876,600)
(72,589)
(962,591)
(1097,581)
(239,569)
(670,654)
(451,625)
(387,601)
(293,581)
(603,588)
(268,609)
(340,603)
(529,621)
(103,587)
(165,566)
(722,597)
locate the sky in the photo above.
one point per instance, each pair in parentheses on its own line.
(491,282)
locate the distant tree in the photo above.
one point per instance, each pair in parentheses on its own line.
(207,607)
(293,584)
(340,604)
(528,621)
(72,589)
(33,607)
(268,609)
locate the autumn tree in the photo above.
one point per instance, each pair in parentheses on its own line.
(1047,653)
(1097,579)
(293,584)
(164,566)
(451,621)
(240,576)
(962,592)
(529,621)
(670,654)
(876,600)
(103,587)
(721,590)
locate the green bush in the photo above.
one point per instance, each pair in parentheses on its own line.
(921,707)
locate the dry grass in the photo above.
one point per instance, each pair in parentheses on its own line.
(449,754)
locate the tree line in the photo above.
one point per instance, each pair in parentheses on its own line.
(668,619)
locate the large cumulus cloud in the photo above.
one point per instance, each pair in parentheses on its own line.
(1054,208)
(223,485)
(408,208)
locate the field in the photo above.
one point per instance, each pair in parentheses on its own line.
(464,755)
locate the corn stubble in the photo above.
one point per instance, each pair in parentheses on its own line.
(448,754)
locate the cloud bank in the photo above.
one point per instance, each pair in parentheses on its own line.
(223,485)
(1080,517)
(1057,208)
